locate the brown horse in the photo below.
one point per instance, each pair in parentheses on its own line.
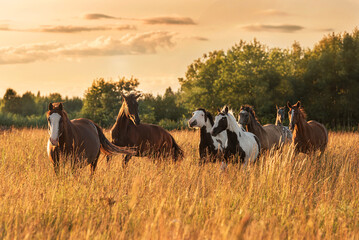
(307,136)
(269,135)
(286,133)
(151,140)
(79,139)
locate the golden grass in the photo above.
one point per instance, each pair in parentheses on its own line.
(279,197)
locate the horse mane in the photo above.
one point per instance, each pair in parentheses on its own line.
(208,115)
(232,121)
(303,113)
(249,108)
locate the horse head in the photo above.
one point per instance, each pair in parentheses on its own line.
(220,122)
(199,118)
(280,114)
(55,120)
(245,115)
(295,113)
(131,107)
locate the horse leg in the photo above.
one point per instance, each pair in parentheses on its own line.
(56,161)
(94,164)
(126,159)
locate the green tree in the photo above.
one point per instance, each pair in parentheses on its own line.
(103,99)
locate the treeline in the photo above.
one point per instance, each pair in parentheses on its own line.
(101,103)
(325,79)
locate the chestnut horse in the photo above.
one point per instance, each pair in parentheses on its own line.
(79,139)
(151,140)
(286,133)
(307,136)
(269,135)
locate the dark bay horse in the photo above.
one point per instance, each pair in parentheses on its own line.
(151,140)
(307,136)
(269,135)
(209,146)
(286,133)
(79,139)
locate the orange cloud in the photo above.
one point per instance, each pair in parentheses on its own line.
(287,28)
(130,44)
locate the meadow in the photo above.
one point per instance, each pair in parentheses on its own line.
(282,196)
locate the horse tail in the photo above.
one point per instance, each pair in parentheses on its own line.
(108,148)
(178,152)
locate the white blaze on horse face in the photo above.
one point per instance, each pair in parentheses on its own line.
(198,116)
(54,127)
(292,115)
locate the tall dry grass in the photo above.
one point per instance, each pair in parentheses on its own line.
(279,197)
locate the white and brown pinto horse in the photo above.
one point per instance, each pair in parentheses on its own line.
(209,146)
(81,139)
(269,135)
(240,142)
(307,136)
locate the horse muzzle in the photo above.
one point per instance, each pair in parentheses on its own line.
(215,132)
(191,124)
(54,142)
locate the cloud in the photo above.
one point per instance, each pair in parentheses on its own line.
(130,44)
(70,29)
(125,27)
(325,30)
(287,28)
(93,16)
(273,12)
(200,38)
(4,27)
(169,21)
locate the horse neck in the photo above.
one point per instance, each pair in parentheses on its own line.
(301,125)
(254,126)
(233,125)
(67,137)
(207,127)
(122,120)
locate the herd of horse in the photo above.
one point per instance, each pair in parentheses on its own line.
(221,137)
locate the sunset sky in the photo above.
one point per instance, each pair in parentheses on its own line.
(62,46)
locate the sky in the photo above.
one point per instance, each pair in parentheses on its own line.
(62,45)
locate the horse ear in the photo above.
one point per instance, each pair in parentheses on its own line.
(288,105)
(299,104)
(123,95)
(139,95)
(218,110)
(226,109)
(51,106)
(276,106)
(61,107)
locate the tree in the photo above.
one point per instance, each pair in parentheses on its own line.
(103,99)
(11,102)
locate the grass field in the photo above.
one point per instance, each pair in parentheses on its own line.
(280,197)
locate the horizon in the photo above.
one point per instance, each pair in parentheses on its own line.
(64,46)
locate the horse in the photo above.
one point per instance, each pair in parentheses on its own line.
(286,133)
(307,136)
(269,135)
(80,139)
(209,146)
(150,139)
(245,144)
